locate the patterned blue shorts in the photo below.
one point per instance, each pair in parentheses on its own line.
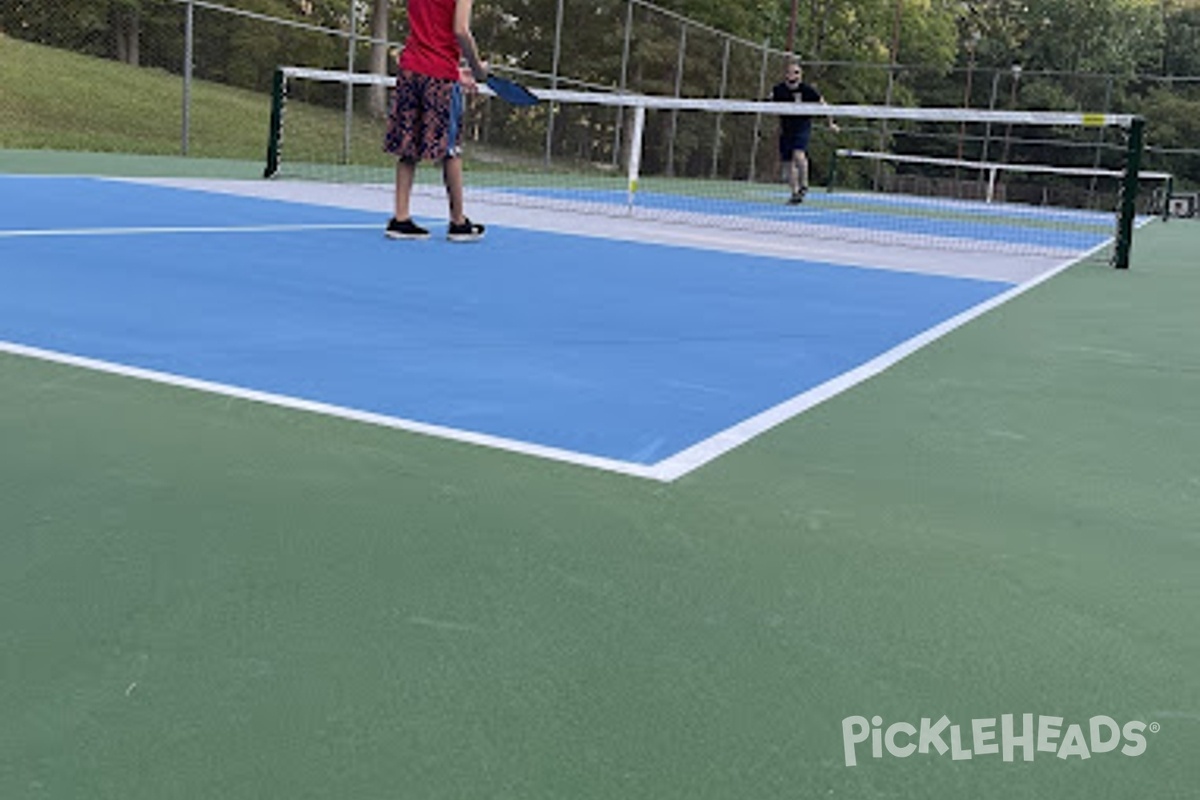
(425,121)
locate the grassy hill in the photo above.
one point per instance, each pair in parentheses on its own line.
(58,100)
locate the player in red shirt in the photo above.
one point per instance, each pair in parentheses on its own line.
(425,122)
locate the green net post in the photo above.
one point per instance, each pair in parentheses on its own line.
(1129,190)
(273,137)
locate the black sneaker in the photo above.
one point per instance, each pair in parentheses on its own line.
(405,229)
(797,198)
(466,232)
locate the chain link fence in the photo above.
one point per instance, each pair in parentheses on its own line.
(603,45)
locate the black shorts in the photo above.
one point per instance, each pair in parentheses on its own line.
(789,144)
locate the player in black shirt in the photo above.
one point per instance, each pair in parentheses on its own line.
(794,131)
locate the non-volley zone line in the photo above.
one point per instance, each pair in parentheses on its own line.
(177,229)
(52,206)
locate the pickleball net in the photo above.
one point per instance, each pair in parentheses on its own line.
(1020,182)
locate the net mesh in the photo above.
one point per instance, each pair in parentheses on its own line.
(1017,182)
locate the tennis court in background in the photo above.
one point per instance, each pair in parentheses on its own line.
(636,353)
(203,598)
(926,223)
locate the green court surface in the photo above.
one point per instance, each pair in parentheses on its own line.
(206,598)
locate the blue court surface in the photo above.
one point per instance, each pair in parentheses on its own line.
(613,350)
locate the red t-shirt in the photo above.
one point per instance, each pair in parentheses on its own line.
(431,47)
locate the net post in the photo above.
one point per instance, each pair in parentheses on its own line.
(635,152)
(276,127)
(1129,190)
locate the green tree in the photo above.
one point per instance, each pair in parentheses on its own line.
(1174,126)
(1181,43)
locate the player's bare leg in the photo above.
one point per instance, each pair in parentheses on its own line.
(461,229)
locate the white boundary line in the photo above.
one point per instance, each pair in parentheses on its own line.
(139,231)
(717,445)
(327,409)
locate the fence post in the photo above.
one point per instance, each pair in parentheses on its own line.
(678,92)
(762,93)
(189,31)
(618,128)
(987,128)
(885,132)
(1012,104)
(1100,140)
(716,153)
(550,111)
(351,46)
